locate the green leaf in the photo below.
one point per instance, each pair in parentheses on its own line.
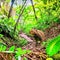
(4,48)
(1,35)
(19,52)
(12,48)
(53,46)
(49,59)
(0,48)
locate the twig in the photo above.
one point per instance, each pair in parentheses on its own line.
(2,56)
(28,57)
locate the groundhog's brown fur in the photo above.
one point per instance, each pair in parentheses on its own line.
(38,33)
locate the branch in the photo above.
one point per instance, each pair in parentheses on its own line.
(12,2)
(33,9)
(22,9)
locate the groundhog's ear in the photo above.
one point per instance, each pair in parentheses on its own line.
(32,31)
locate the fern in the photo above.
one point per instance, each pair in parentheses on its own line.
(53,46)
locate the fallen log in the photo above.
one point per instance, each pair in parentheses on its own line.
(23,35)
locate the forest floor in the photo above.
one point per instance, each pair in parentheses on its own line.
(38,52)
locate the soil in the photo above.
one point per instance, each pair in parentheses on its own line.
(38,52)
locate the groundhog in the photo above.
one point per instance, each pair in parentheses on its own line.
(38,35)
